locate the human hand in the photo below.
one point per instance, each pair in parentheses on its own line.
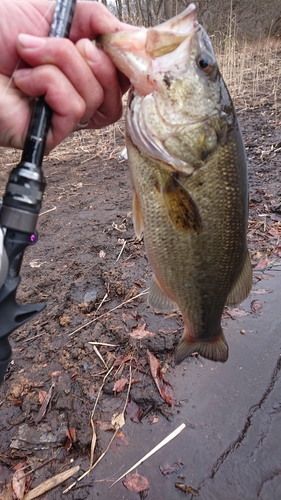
(79,81)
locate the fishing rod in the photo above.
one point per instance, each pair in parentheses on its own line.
(21,205)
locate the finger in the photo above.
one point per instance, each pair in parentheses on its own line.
(90,19)
(14,115)
(106,74)
(67,104)
(63,54)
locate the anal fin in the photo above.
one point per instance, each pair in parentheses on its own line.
(158,300)
(215,349)
(242,285)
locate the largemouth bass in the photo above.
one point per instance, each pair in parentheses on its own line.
(189,174)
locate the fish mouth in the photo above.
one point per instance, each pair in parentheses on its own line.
(142,53)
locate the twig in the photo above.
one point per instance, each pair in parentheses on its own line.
(93,443)
(100,356)
(119,422)
(120,253)
(105,297)
(47,211)
(51,483)
(108,312)
(103,343)
(160,445)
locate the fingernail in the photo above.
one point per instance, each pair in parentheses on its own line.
(31,42)
(21,73)
(92,53)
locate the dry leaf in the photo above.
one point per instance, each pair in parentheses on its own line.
(41,396)
(165,389)
(135,482)
(118,421)
(261,291)
(55,374)
(171,470)
(71,438)
(262,264)
(134,412)
(121,439)
(45,396)
(64,320)
(140,332)
(120,384)
(236,313)
(7,492)
(187,489)
(18,484)
(256,305)
(105,426)
(122,359)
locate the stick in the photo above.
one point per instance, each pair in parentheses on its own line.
(160,445)
(51,483)
(108,312)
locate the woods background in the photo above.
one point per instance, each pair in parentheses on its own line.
(251,19)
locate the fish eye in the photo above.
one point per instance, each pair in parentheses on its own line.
(206,63)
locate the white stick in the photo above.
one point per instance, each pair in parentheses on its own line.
(163,443)
(120,253)
(103,343)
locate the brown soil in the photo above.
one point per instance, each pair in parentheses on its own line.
(89,288)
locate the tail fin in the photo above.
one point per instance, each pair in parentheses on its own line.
(216,349)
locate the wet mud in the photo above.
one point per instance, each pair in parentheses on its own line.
(93,274)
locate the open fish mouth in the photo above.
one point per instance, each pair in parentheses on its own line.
(143,53)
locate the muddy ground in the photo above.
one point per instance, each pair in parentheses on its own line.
(88,267)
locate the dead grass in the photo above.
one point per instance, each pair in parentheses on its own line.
(251,70)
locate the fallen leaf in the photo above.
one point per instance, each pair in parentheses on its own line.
(105,426)
(236,313)
(187,489)
(64,320)
(45,396)
(71,438)
(120,384)
(118,421)
(260,291)
(7,492)
(273,232)
(121,439)
(122,359)
(18,484)
(55,374)
(171,470)
(140,332)
(165,389)
(134,412)
(256,305)
(136,482)
(41,396)
(262,264)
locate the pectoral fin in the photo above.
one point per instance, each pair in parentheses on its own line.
(158,300)
(242,285)
(215,349)
(137,217)
(182,210)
